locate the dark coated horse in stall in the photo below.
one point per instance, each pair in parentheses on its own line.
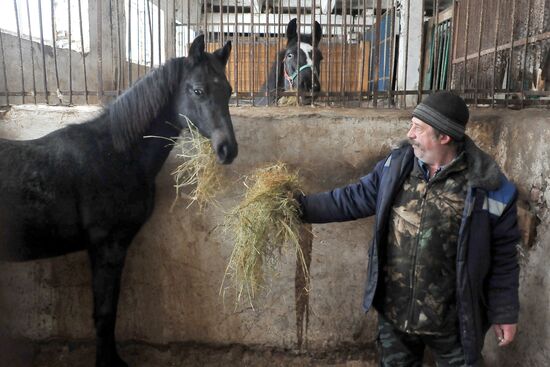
(91,186)
(297,66)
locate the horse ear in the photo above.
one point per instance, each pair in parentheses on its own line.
(196,51)
(223,53)
(291,30)
(318,33)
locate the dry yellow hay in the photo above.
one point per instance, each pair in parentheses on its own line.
(261,226)
(286,101)
(199,169)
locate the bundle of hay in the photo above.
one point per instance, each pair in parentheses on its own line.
(199,170)
(288,101)
(262,225)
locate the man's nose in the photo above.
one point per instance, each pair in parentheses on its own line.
(410,134)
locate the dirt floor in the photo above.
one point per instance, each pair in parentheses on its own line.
(82,354)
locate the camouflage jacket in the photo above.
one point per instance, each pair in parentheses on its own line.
(419,269)
(487,271)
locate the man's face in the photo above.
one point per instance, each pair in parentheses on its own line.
(422,137)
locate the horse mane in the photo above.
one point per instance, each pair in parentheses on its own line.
(132,113)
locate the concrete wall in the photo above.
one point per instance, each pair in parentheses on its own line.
(172,280)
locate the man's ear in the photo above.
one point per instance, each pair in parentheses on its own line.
(445,139)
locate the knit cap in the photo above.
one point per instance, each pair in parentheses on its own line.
(446,112)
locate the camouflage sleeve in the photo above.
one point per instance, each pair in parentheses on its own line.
(503,277)
(351,202)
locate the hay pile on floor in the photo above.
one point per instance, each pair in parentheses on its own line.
(287,101)
(200,168)
(262,225)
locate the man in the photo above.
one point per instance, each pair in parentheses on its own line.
(442,265)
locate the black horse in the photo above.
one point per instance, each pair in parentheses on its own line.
(91,186)
(296,67)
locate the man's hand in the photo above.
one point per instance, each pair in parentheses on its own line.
(505,333)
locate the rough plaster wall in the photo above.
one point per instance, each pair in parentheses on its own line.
(173,275)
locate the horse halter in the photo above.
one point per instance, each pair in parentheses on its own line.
(290,78)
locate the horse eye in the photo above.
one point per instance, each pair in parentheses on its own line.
(198,92)
(289,56)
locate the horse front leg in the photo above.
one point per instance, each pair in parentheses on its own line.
(107,264)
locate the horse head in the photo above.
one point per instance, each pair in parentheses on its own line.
(203,98)
(301,62)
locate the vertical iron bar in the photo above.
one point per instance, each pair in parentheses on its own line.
(138,63)
(151,34)
(343,69)
(119,61)
(6,88)
(362,77)
(329,48)
(377,53)
(509,76)
(20,50)
(159,32)
(277,63)
(70,55)
(99,51)
(392,55)
(129,43)
(236,54)
(54,47)
(188,27)
(454,42)
(43,53)
(252,35)
(222,33)
(267,37)
(32,52)
(313,34)
(435,42)
(465,73)
(407,51)
(298,29)
(480,30)
(497,28)
(421,66)
(525,52)
(82,50)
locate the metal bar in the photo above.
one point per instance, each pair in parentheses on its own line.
(129,43)
(32,52)
(277,63)
(435,40)
(111,35)
(509,76)
(466,34)
(253,51)
(43,52)
(363,30)
(236,55)
(82,50)
(456,15)
(99,19)
(329,48)
(189,26)
(138,66)
(222,38)
(497,27)
(343,50)
(159,33)
(377,53)
(480,30)
(525,52)
(266,54)
(151,34)
(6,88)
(421,66)
(70,54)
(298,28)
(54,47)
(392,55)
(313,34)
(119,54)
(407,51)
(20,48)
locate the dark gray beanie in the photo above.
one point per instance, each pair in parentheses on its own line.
(446,112)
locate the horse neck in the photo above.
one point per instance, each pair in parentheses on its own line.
(156,144)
